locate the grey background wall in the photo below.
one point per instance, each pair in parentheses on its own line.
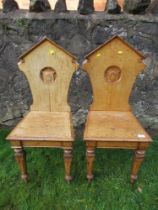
(78,34)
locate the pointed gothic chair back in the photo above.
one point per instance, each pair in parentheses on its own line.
(49,69)
(113,68)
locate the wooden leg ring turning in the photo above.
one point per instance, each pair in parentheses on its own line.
(20,158)
(67,161)
(138,159)
(90,154)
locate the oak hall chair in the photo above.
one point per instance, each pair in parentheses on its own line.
(49,69)
(112,69)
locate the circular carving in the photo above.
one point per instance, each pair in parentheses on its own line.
(48,75)
(112,74)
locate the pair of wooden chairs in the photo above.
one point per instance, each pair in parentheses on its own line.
(112,69)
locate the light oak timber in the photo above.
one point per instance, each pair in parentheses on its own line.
(113,68)
(48,68)
(46,144)
(137,161)
(20,158)
(115,54)
(41,125)
(48,96)
(90,154)
(114,126)
(68,160)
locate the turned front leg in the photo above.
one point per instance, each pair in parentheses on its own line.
(20,158)
(67,162)
(138,159)
(90,154)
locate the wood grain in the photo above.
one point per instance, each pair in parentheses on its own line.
(114,126)
(113,68)
(137,161)
(52,96)
(48,68)
(20,158)
(113,96)
(44,126)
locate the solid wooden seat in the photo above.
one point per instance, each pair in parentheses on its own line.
(112,69)
(114,126)
(44,126)
(49,69)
